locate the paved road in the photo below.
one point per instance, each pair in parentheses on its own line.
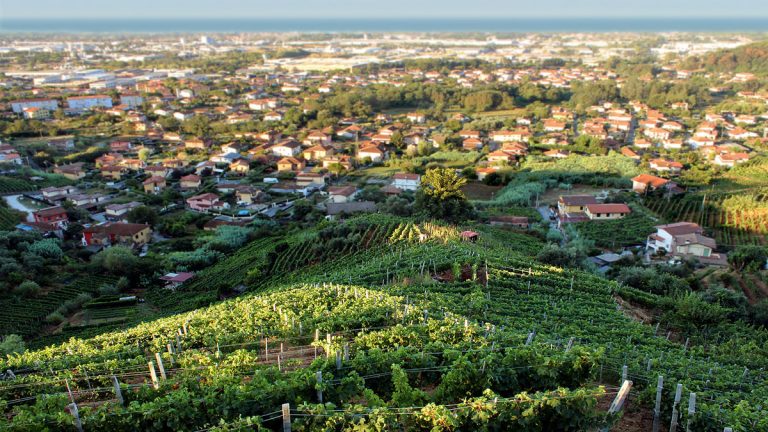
(14,203)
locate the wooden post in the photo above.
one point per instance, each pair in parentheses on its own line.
(346,352)
(153,374)
(317,335)
(279,362)
(286,417)
(178,343)
(691,411)
(266,349)
(530,338)
(170,354)
(338,360)
(657,408)
(69,391)
(161,366)
(624,373)
(118,392)
(675,413)
(73,410)
(319,377)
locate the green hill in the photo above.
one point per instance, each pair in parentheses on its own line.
(408,328)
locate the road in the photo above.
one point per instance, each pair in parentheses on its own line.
(14,203)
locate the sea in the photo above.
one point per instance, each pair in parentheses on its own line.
(420,25)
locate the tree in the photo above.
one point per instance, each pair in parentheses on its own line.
(118,260)
(144,154)
(371,193)
(199,126)
(142,215)
(47,248)
(752,258)
(440,196)
(301,208)
(12,344)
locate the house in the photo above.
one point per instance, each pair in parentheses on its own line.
(317,180)
(552,125)
(658,134)
(663,165)
(342,194)
(606,211)
(416,117)
(318,152)
(89,102)
(113,172)
(34,113)
(52,193)
(645,182)
(557,153)
(472,144)
(521,134)
(196,144)
(174,280)
(574,203)
(374,152)
(289,164)
(406,181)
(63,144)
(288,148)
(500,156)
(112,233)
(157,170)
(154,184)
(335,210)
(240,166)
(117,211)
(681,238)
(730,159)
(273,116)
(510,221)
(206,202)
(56,216)
(190,181)
(628,152)
(73,171)
(318,137)
(469,134)
(247,195)
(344,161)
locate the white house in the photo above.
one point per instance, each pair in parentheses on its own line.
(89,102)
(286,149)
(406,181)
(681,238)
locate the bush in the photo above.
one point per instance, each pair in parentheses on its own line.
(55,318)
(12,344)
(27,289)
(107,289)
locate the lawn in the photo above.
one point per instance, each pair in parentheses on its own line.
(478,191)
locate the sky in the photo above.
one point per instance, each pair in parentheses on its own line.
(372,9)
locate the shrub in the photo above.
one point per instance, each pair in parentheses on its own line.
(55,318)
(27,288)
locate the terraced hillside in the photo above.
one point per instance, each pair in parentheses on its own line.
(417,330)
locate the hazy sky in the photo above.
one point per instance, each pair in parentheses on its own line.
(164,9)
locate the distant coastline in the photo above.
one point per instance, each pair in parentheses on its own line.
(421,25)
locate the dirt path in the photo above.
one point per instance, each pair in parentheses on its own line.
(751,298)
(754,279)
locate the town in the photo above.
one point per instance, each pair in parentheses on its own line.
(146,177)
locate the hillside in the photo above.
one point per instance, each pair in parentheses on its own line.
(403,326)
(751,58)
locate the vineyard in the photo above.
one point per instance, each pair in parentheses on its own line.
(736,218)
(9,218)
(26,316)
(421,332)
(9,185)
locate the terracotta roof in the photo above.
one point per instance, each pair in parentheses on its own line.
(608,208)
(680,228)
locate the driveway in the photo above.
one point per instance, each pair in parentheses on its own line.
(14,203)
